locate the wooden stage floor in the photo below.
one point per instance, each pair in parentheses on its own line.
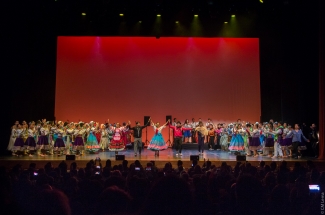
(216,157)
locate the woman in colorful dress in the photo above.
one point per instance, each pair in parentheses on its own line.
(97,132)
(157,143)
(70,137)
(91,144)
(254,141)
(269,140)
(237,141)
(30,142)
(78,144)
(43,140)
(224,138)
(117,143)
(18,148)
(59,145)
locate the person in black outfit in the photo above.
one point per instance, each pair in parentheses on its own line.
(137,134)
(313,137)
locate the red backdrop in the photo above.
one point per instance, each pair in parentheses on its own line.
(127,78)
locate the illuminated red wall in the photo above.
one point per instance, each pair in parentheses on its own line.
(127,78)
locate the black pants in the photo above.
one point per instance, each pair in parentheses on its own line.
(315,146)
(295,149)
(211,142)
(201,143)
(218,142)
(193,137)
(178,144)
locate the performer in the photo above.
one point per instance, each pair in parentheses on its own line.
(211,137)
(269,140)
(224,138)
(43,140)
(59,145)
(297,137)
(125,135)
(278,131)
(91,143)
(187,134)
(194,125)
(157,143)
(237,140)
(286,142)
(218,136)
(254,141)
(70,137)
(13,136)
(18,148)
(30,142)
(137,136)
(78,144)
(177,131)
(202,131)
(117,143)
(104,137)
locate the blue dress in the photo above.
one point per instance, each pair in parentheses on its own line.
(237,142)
(92,143)
(157,142)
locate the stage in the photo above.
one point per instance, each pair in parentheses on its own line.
(169,155)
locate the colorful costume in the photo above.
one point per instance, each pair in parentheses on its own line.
(157,142)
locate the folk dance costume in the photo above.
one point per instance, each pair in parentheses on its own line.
(92,144)
(187,133)
(59,145)
(277,140)
(211,136)
(19,146)
(117,143)
(43,141)
(12,139)
(104,139)
(157,143)
(254,141)
(78,144)
(237,141)
(224,139)
(69,140)
(30,142)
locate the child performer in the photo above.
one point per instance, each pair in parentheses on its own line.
(157,142)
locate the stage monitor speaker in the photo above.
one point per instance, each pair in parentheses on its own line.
(70,157)
(119,157)
(169,117)
(145,120)
(240,158)
(194,157)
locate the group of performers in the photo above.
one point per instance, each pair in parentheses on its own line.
(272,139)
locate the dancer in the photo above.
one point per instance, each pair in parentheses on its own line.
(202,132)
(30,142)
(297,137)
(18,148)
(269,140)
(194,125)
(137,136)
(59,145)
(211,137)
(92,143)
(78,143)
(177,131)
(13,136)
(70,137)
(157,143)
(187,134)
(117,143)
(43,140)
(254,141)
(237,140)
(278,131)
(104,137)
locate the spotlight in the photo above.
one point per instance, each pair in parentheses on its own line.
(261,1)
(121,14)
(226,22)
(233,16)
(140,21)
(196,15)
(158,15)
(83,14)
(176,22)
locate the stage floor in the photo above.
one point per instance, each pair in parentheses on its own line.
(169,155)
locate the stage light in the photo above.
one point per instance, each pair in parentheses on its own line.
(140,21)
(83,14)
(176,22)
(233,16)
(158,15)
(261,1)
(196,15)
(226,22)
(121,14)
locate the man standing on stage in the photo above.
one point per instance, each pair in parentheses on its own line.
(194,125)
(137,134)
(178,136)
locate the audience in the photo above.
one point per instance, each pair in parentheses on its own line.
(131,189)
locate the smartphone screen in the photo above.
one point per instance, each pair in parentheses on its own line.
(35,173)
(137,168)
(97,173)
(98,167)
(148,168)
(314,188)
